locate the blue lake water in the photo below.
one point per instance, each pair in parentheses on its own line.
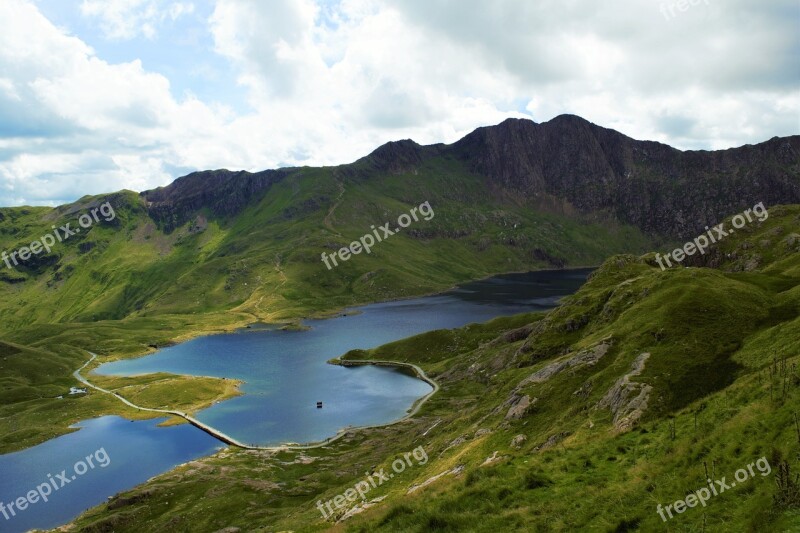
(285,374)
(135,452)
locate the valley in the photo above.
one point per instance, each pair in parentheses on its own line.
(636,350)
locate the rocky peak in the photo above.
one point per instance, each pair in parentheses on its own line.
(651,185)
(223,192)
(400,157)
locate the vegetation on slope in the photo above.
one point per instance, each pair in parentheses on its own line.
(127,285)
(535,427)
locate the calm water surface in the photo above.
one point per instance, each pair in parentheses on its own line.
(135,451)
(285,374)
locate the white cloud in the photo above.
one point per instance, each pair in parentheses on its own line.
(328,82)
(126,19)
(80,125)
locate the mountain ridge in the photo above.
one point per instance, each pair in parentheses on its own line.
(565,161)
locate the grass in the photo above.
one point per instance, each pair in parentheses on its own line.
(167,391)
(725,383)
(126,285)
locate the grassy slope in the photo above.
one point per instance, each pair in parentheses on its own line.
(266,261)
(724,352)
(124,286)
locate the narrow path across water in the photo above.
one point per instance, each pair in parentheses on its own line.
(227,439)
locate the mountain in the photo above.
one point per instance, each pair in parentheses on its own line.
(217,250)
(567,162)
(650,185)
(636,392)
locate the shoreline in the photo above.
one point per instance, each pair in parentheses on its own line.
(240,321)
(230,441)
(241,327)
(337,312)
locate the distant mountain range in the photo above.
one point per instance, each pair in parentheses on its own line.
(624,393)
(566,164)
(511,197)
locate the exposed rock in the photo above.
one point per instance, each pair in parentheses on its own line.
(518,441)
(491,459)
(588,357)
(552,440)
(752,264)
(568,163)
(585,389)
(517,334)
(520,407)
(223,192)
(481,432)
(627,400)
(400,157)
(360,508)
(454,472)
(458,441)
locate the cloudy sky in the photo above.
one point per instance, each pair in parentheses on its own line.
(101,95)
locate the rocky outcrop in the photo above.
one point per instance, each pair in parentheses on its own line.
(360,508)
(492,459)
(627,400)
(552,440)
(520,406)
(222,192)
(518,441)
(570,161)
(398,157)
(454,472)
(458,441)
(588,357)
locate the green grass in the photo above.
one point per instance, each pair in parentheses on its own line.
(725,384)
(123,286)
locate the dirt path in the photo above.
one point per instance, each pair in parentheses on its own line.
(327,221)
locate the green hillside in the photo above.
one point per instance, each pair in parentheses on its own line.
(266,260)
(628,396)
(126,285)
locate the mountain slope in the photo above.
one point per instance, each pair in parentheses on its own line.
(556,422)
(515,196)
(217,250)
(647,184)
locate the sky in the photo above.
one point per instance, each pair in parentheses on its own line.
(102,95)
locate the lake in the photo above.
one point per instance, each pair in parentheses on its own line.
(286,375)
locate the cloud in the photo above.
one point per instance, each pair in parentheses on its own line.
(74,124)
(127,19)
(327,81)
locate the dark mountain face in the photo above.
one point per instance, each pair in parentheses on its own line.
(223,192)
(651,185)
(567,160)
(400,157)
